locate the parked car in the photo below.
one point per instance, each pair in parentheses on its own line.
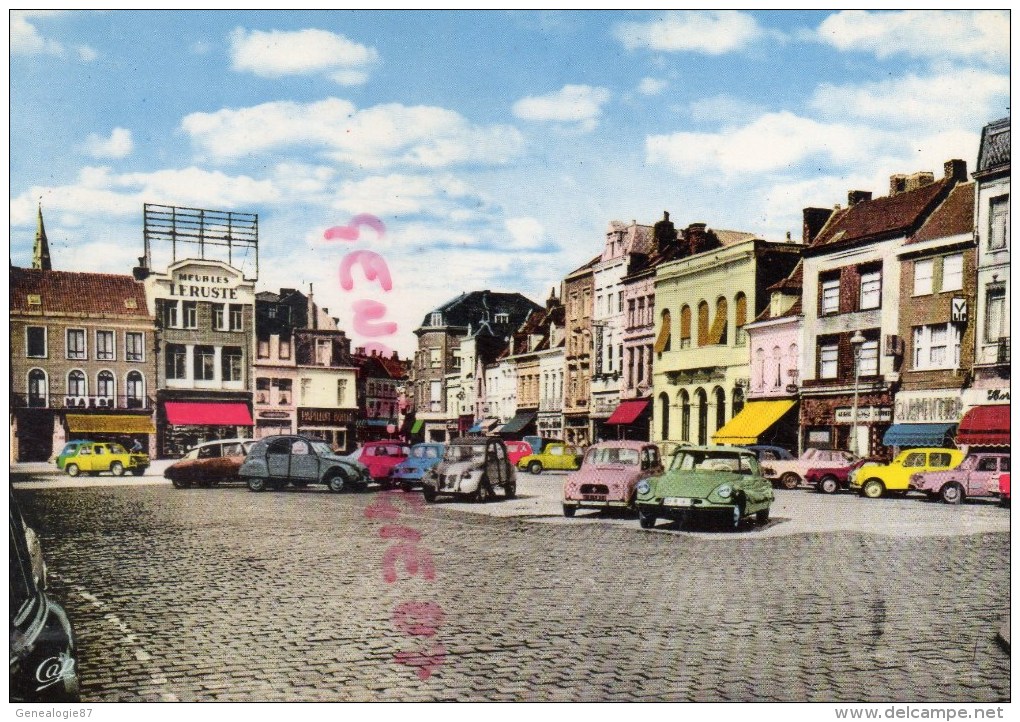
(381,457)
(538,443)
(668,448)
(472,467)
(830,479)
(720,480)
(894,477)
(275,461)
(609,475)
(44,655)
(209,463)
(69,450)
(409,472)
(517,450)
(94,458)
(1004,489)
(770,453)
(553,456)
(789,473)
(977,475)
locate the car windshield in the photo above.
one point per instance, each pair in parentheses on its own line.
(714,461)
(425,452)
(611,456)
(463,452)
(321,447)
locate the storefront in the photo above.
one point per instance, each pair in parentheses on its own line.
(827,422)
(761,422)
(630,419)
(330,425)
(985,426)
(925,418)
(183,424)
(123,429)
(523,424)
(272,423)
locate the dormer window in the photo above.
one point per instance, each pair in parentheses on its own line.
(437,319)
(502,318)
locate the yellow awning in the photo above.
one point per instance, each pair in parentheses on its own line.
(109,424)
(753,420)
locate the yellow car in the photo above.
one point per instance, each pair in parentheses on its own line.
(874,481)
(554,456)
(93,458)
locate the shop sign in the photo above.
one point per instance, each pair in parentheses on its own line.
(310,416)
(274,415)
(959,310)
(865,414)
(928,408)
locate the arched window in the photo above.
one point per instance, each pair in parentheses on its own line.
(702,323)
(720,407)
(740,302)
(701,398)
(685,326)
(777,359)
(38,389)
(793,364)
(76,385)
(759,368)
(105,385)
(135,389)
(737,402)
(664,340)
(685,416)
(664,412)
(717,334)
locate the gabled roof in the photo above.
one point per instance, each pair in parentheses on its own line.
(92,294)
(994,152)
(882,217)
(589,266)
(954,217)
(479,308)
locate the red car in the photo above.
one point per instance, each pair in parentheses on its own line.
(381,457)
(830,479)
(517,450)
(1004,489)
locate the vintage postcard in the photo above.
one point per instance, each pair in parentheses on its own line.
(510,356)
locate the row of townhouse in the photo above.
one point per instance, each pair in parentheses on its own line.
(885,325)
(178,356)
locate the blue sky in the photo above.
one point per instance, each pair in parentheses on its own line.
(495,146)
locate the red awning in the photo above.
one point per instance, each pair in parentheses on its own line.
(628,411)
(207,414)
(985,426)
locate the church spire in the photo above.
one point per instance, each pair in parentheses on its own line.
(41,250)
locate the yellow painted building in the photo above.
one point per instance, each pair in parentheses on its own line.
(701,363)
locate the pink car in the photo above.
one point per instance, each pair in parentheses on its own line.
(978,475)
(517,450)
(608,475)
(381,457)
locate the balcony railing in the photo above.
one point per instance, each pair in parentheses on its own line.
(1002,352)
(551,405)
(71,401)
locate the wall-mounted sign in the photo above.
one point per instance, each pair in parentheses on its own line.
(308,416)
(928,407)
(274,415)
(959,310)
(865,414)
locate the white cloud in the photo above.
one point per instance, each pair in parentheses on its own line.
(772,143)
(527,234)
(928,102)
(712,32)
(276,53)
(27,40)
(118,145)
(723,108)
(409,195)
(376,137)
(573,104)
(935,34)
(652,86)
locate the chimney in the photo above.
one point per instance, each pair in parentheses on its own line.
(141,271)
(897,184)
(313,314)
(814,221)
(855,197)
(956,169)
(664,234)
(696,237)
(920,180)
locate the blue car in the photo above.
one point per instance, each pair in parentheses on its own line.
(409,472)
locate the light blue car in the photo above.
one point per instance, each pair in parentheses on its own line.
(410,471)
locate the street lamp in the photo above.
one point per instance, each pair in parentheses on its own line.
(856,342)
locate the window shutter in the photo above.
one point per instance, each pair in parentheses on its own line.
(663,339)
(702,323)
(718,333)
(849,289)
(685,323)
(845,362)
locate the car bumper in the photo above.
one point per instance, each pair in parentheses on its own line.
(597,504)
(663,509)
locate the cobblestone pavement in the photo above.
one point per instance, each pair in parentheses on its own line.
(222,594)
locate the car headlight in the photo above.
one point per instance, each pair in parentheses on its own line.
(643,487)
(725,491)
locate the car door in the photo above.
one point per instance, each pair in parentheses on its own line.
(100,458)
(899,475)
(977,481)
(492,470)
(304,462)
(205,467)
(553,457)
(278,458)
(83,459)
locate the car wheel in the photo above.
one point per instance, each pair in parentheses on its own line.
(117,468)
(336,482)
(535,467)
(180,483)
(72,470)
(482,494)
(952,493)
(828,484)
(646,519)
(407,487)
(569,511)
(510,489)
(873,488)
(257,483)
(429,493)
(138,472)
(789,480)
(762,516)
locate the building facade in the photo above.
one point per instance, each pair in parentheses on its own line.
(578,291)
(83,361)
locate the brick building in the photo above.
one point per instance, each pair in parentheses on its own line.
(578,291)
